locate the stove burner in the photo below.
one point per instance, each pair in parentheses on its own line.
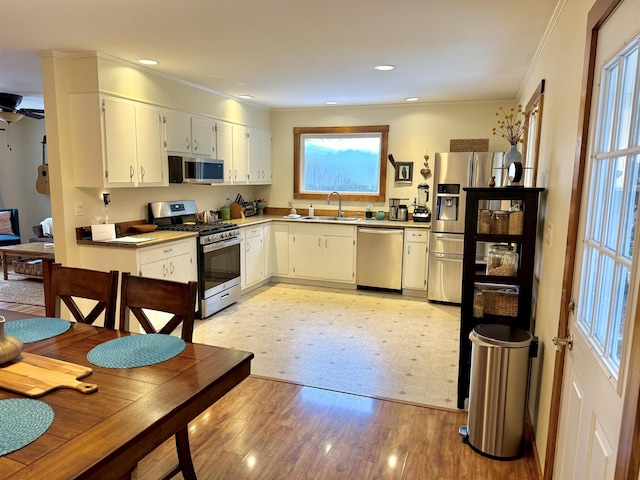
(209,232)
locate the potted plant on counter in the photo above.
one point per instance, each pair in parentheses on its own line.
(261,203)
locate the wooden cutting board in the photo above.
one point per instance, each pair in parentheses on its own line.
(34,375)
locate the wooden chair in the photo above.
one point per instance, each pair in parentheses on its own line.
(178,299)
(64,284)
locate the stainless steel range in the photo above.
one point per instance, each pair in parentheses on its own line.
(218,252)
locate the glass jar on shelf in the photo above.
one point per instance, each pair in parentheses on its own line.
(502,261)
(484,221)
(500,222)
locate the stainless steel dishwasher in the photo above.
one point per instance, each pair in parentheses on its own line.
(379,262)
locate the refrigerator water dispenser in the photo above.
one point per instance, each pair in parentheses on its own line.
(448,202)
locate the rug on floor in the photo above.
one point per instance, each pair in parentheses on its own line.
(21,289)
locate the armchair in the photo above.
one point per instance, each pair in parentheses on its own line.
(9,227)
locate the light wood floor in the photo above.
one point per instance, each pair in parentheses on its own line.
(270,429)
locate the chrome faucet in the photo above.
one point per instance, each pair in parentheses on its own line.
(340,212)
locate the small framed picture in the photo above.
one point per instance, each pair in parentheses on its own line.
(404,172)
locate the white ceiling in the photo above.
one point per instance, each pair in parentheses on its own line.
(290,53)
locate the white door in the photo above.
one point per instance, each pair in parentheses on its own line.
(606,276)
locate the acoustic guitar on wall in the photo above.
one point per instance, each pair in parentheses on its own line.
(42,183)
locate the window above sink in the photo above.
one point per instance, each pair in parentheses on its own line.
(349,160)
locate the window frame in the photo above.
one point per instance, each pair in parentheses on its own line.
(383,130)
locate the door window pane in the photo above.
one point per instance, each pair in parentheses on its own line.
(631,207)
(598,190)
(588,285)
(613,211)
(629,64)
(606,106)
(603,294)
(621,292)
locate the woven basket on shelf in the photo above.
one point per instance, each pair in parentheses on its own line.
(501,302)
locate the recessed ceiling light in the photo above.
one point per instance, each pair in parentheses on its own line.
(412,99)
(247,97)
(332,103)
(147,61)
(384,67)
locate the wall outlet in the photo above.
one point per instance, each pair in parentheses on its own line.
(547,233)
(79,209)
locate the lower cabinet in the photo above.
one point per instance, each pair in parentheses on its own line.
(324,252)
(416,248)
(175,260)
(251,256)
(174,263)
(276,249)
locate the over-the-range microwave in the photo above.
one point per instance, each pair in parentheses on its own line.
(195,170)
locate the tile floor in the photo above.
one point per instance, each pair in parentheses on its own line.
(355,341)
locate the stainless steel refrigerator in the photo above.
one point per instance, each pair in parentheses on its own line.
(453,172)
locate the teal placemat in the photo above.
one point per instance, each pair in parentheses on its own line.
(35,329)
(136,351)
(22,420)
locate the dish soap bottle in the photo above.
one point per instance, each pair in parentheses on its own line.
(311,210)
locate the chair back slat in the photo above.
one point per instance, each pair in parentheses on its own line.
(176,298)
(65,284)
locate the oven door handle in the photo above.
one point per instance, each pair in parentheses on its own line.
(211,247)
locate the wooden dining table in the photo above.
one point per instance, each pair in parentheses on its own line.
(103,435)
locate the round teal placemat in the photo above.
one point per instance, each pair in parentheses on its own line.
(32,330)
(22,420)
(136,350)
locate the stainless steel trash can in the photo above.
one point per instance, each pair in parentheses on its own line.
(498,390)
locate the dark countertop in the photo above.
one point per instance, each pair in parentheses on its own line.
(158,238)
(362,222)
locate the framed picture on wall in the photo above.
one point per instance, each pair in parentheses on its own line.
(404,172)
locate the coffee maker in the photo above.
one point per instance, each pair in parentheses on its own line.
(421,212)
(397,210)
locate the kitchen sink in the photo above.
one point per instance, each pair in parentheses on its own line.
(333,219)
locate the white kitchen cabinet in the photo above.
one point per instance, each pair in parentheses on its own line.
(324,252)
(151,155)
(238,170)
(251,156)
(276,249)
(168,263)
(416,247)
(174,260)
(259,156)
(251,256)
(190,134)
(203,136)
(224,143)
(116,142)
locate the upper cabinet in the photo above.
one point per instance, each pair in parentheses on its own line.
(238,168)
(190,134)
(259,156)
(116,142)
(251,156)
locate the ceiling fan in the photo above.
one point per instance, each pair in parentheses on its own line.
(9,111)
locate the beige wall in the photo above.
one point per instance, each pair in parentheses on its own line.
(413,129)
(561,65)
